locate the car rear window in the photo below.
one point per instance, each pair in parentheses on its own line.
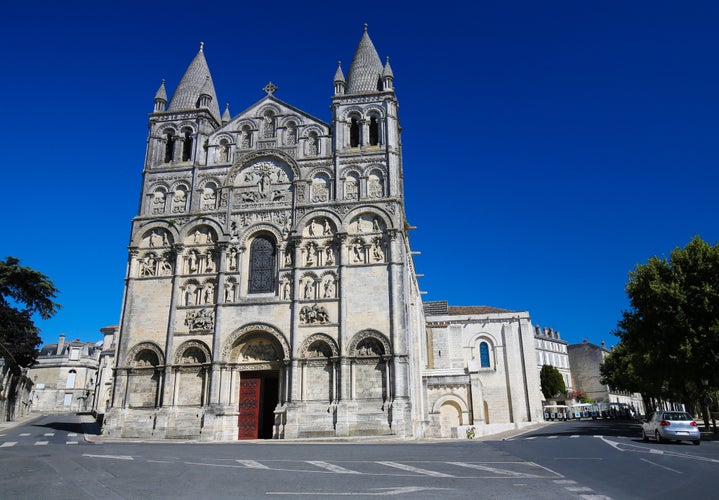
(677,416)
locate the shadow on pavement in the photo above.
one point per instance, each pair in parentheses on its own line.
(608,427)
(78,427)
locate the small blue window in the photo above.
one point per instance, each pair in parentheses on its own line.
(484,355)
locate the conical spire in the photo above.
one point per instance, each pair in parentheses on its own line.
(339,76)
(195,82)
(366,68)
(160,98)
(226,117)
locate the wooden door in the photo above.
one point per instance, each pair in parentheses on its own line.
(248,420)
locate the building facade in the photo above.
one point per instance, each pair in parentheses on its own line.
(63,376)
(480,370)
(270,288)
(586,359)
(552,351)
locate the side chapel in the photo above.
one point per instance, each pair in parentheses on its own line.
(270,288)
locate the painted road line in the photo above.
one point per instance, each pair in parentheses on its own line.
(332,467)
(416,470)
(24,434)
(115,457)
(41,443)
(49,434)
(492,469)
(72,434)
(71,442)
(661,466)
(8,444)
(252,464)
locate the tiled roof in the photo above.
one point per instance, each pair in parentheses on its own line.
(196,80)
(366,68)
(457,310)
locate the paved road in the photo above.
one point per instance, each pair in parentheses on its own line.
(562,461)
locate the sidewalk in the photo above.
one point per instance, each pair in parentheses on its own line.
(20,421)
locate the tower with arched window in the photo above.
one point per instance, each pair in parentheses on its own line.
(270,288)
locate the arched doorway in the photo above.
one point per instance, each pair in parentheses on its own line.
(258,357)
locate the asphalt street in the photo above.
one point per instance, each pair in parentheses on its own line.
(60,457)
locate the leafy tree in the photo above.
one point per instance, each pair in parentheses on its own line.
(551,381)
(23,292)
(670,335)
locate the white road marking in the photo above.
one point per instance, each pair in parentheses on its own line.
(41,443)
(8,444)
(663,467)
(24,434)
(50,434)
(579,489)
(160,462)
(381,492)
(564,481)
(416,470)
(552,437)
(116,457)
(595,497)
(71,442)
(574,436)
(530,438)
(492,469)
(252,464)
(72,434)
(332,467)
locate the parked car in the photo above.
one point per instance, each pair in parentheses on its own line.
(665,426)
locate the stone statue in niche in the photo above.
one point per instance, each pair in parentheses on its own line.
(286,290)
(329,256)
(148,265)
(359,224)
(291,135)
(375,225)
(232,259)
(165,266)
(330,288)
(351,189)
(311,254)
(369,348)
(192,262)
(189,296)
(327,228)
(158,201)
(357,252)
(200,320)
(209,294)
(209,198)
(309,289)
(312,145)
(268,126)
(157,238)
(244,139)
(209,262)
(229,292)
(288,258)
(377,253)
(314,315)
(224,152)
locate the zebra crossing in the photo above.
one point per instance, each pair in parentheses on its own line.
(8,440)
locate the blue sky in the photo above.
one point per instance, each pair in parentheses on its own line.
(549,147)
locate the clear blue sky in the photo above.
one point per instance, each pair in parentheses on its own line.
(549,147)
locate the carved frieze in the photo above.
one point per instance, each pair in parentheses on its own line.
(202,320)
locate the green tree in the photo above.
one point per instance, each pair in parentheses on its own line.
(23,292)
(669,337)
(551,381)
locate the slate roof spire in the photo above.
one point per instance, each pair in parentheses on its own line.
(196,82)
(366,68)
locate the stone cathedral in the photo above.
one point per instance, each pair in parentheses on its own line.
(270,287)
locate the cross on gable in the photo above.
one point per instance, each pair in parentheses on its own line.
(270,88)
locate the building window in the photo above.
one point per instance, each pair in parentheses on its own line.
(354,133)
(187,146)
(74,354)
(373,131)
(169,146)
(484,355)
(71,379)
(262,265)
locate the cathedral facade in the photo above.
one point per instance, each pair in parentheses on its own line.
(270,288)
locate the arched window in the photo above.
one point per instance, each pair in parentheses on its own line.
(187,146)
(354,133)
(373,131)
(169,146)
(484,355)
(262,265)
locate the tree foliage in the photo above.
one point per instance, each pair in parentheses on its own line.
(23,292)
(551,381)
(670,335)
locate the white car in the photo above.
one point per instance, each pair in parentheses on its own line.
(665,425)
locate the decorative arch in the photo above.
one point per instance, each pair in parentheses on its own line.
(138,351)
(253,330)
(485,350)
(247,159)
(192,346)
(202,224)
(366,217)
(450,398)
(326,340)
(365,335)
